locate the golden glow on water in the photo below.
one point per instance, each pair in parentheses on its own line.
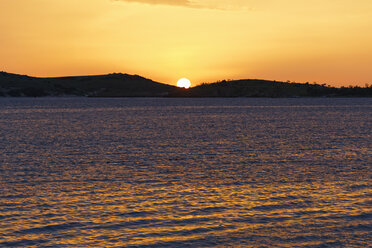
(240,172)
(144,216)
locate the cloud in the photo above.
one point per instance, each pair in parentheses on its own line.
(208,4)
(184,3)
(202,4)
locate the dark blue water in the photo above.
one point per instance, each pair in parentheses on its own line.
(145,172)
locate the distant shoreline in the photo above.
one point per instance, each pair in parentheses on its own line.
(125,85)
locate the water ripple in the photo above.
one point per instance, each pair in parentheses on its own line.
(185,172)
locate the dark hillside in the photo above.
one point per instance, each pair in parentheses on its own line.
(124,85)
(111,85)
(264,88)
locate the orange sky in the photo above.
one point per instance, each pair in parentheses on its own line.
(327,41)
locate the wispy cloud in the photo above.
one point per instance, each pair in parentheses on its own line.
(220,5)
(184,3)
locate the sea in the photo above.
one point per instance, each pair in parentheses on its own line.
(185,172)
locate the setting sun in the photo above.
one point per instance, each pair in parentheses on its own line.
(184,83)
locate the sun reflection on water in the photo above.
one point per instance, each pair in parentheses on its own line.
(128,175)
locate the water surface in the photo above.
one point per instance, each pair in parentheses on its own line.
(147,172)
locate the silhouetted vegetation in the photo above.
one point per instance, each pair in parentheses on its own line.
(124,85)
(111,85)
(264,88)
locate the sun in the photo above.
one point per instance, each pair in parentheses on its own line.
(184,83)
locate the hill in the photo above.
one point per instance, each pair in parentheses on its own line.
(125,85)
(264,88)
(111,85)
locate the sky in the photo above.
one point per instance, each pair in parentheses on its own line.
(323,41)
